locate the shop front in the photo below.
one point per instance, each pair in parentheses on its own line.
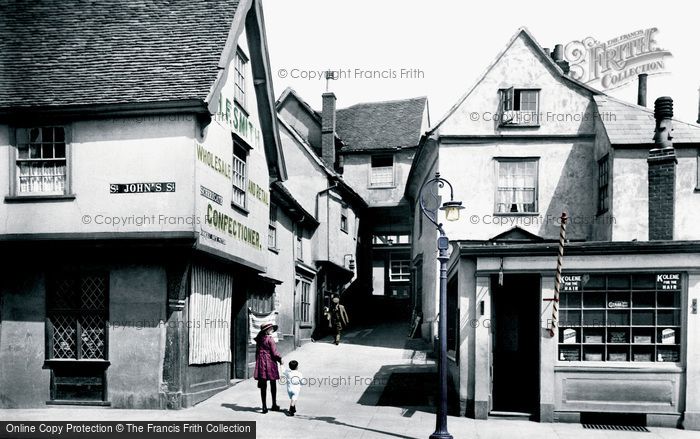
(625,337)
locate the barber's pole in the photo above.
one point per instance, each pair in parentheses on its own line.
(558,280)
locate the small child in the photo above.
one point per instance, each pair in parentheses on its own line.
(294,379)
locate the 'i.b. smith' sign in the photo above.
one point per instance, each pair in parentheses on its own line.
(616,62)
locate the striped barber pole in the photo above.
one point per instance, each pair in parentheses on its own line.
(557,282)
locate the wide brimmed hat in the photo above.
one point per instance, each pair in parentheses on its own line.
(266,326)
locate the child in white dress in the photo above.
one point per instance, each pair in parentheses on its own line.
(294,380)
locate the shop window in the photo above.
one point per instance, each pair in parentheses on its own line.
(520,107)
(620,317)
(603,179)
(304,291)
(272,229)
(77,312)
(239,176)
(239,78)
(399,270)
(382,173)
(517,186)
(41,165)
(344,219)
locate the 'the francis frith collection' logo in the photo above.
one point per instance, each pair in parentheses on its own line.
(618,61)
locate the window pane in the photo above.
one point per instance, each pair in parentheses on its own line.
(643,318)
(570,299)
(517,183)
(34,150)
(382,161)
(569,318)
(669,317)
(668,299)
(594,300)
(643,299)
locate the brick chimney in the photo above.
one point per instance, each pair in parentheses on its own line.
(558,57)
(642,89)
(328,130)
(662,173)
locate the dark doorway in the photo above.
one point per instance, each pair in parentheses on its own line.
(515,326)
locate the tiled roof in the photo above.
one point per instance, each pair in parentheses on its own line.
(385,124)
(109,51)
(628,124)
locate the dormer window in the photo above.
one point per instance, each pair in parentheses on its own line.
(520,107)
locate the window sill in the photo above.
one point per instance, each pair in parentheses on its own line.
(519,125)
(306,326)
(240,209)
(621,366)
(603,212)
(71,361)
(89,403)
(697,190)
(516,214)
(344,231)
(274,250)
(378,186)
(38,198)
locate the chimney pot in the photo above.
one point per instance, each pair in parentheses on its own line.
(558,54)
(642,90)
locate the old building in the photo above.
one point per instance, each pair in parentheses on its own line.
(379,142)
(140,152)
(337,260)
(525,144)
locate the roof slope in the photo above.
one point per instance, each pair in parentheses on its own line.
(377,125)
(545,57)
(629,124)
(110,51)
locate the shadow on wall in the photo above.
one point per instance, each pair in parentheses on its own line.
(576,194)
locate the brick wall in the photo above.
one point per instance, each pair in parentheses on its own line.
(662,181)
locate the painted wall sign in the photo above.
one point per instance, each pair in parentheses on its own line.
(215,162)
(141,188)
(258,192)
(668,281)
(211,195)
(237,119)
(571,282)
(228,225)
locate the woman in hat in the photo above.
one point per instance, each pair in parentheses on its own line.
(266,359)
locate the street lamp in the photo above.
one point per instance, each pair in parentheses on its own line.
(451,209)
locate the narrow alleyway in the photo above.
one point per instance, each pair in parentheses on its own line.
(359,389)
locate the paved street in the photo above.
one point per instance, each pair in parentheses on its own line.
(345,385)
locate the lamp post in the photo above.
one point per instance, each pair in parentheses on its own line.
(451,209)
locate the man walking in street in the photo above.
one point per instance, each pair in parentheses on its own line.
(337,317)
